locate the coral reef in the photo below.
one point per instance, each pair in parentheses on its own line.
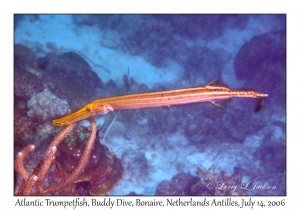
(48,87)
(32,184)
(45,89)
(179,185)
(161,142)
(66,76)
(103,170)
(212,183)
(273,155)
(208,182)
(136,165)
(41,106)
(24,56)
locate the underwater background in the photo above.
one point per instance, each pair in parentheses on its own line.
(63,62)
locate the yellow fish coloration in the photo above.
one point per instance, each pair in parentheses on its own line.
(210,93)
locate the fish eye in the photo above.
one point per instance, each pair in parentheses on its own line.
(88,109)
(59,124)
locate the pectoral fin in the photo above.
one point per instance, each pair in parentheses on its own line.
(218,104)
(170,108)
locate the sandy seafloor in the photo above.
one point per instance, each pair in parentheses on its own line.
(173,152)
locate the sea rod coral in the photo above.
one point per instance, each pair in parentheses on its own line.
(32,184)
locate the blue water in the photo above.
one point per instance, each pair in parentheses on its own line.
(109,55)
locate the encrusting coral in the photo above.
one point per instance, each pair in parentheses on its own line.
(32,184)
(41,106)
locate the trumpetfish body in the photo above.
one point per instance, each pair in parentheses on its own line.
(210,93)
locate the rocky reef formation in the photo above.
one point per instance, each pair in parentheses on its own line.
(207,183)
(50,87)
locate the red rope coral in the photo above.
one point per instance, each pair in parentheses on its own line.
(41,170)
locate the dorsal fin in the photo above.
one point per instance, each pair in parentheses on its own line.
(212,83)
